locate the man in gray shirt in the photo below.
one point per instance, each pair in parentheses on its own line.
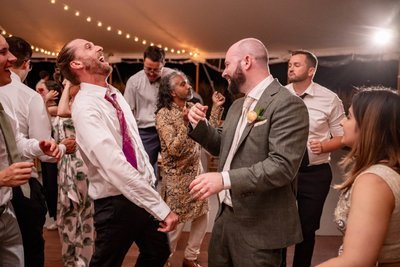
(141,94)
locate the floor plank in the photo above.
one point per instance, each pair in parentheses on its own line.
(325,248)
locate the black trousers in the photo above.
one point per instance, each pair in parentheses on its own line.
(31,216)
(151,143)
(313,187)
(49,174)
(119,223)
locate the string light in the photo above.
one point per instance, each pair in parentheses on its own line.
(33,47)
(77,13)
(127,35)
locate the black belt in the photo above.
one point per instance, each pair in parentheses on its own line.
(151,129)
(2,209)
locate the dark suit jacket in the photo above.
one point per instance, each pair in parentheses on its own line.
(264,166)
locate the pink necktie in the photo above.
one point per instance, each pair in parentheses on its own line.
(127,145)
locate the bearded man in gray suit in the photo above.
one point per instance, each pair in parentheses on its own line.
(260,146)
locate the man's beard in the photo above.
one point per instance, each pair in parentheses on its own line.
(296,79)
(236,81)
(186,97)
(95,67)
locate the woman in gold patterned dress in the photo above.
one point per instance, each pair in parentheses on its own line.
(181,160)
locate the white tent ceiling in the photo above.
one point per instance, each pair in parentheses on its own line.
(207,27)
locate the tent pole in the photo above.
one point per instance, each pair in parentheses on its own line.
(398,77)
(197,76)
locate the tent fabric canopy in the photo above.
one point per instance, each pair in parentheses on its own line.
(206,27)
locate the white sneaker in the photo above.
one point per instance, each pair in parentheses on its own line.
(50,223)
(52,226)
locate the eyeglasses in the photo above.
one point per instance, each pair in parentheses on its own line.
(151,70)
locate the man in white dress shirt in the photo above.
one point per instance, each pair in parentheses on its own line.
(13,172)
(127,207)
(314,178)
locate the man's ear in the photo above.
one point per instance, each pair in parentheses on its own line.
(246,62)
(76,64)
(26,65)
(311,71)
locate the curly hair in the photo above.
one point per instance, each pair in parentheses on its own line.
(166,87)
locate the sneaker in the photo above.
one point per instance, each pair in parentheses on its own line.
(52,226)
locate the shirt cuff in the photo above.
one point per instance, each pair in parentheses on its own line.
(226,180)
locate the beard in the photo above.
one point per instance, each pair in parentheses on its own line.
(185,97)
(93,66)
(237,80)
(297,78)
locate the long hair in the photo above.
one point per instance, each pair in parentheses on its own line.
(165,89)
(377,116)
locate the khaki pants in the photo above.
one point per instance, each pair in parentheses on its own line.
(197,231)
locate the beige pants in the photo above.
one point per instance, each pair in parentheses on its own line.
(197,231)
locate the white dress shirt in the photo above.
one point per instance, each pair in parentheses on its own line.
(142,96)
(325,111)
(29,148)
(99,138)
(255,94)
(30,111)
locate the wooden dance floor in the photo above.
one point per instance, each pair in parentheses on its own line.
(325,248)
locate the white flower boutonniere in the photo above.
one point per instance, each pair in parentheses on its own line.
(255,115)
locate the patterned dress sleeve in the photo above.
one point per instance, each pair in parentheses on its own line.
(215,116)
(172,130)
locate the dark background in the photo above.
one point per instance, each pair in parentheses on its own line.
(341,74)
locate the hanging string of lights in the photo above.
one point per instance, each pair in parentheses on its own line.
(36,49)
(100,24)
(127,35)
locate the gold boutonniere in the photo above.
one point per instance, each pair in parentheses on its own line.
(255,115)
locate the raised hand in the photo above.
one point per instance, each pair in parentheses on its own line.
(197,113)
(218,99)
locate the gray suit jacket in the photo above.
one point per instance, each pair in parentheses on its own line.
(264,166)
